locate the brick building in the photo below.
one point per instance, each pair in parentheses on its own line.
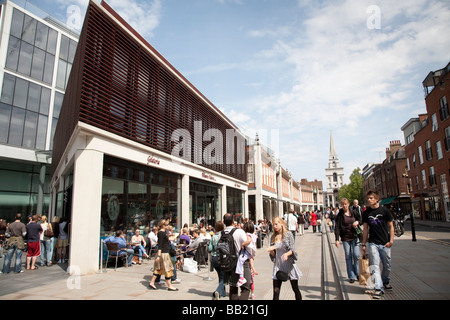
(427,150)
(389,178)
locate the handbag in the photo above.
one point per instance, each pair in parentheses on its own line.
(48,233)
(172,252)
(282,276)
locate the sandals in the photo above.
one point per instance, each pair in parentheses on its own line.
(172,289)
(152,287)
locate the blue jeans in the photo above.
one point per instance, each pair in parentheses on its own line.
(221,287)
(130,253)
(351,250)
(141,251)
(379,253)
(8,259)
(46,251)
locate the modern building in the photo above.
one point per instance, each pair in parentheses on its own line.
(427,150)
(36,55)
(334,176)
(389,178)
(137,142)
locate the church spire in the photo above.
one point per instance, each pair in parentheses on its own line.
(333,154)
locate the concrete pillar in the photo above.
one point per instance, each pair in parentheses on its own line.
(40,199)
(86,210)
(223,200)
(185,200)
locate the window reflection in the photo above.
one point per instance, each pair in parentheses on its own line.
(136,197)
(32,48)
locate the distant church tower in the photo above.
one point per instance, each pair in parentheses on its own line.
(334,176)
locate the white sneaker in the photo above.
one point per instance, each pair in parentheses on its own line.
(241,282)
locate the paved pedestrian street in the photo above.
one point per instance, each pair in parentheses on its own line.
(420,271)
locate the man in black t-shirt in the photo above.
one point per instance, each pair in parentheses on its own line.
(379,231)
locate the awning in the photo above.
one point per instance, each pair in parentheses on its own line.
(387,200)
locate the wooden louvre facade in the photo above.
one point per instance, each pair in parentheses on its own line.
(120,84)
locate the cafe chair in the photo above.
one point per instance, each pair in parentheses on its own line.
(114,252)
(201,254)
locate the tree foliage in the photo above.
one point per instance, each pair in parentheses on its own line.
(354,189)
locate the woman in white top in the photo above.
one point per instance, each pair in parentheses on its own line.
(138,241)
(46,244)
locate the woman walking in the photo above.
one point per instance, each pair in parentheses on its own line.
(346,222)
(163,263)
(283,255)
(314,221)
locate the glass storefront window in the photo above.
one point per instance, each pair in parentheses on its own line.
(137,197)
(113,199)
(204,208)
(234,202)
(19,189)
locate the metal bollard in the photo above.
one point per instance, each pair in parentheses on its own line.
(101,257)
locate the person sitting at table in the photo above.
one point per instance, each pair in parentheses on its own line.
(190,252)
(205,235)
(119,239)
(184,236)
(153,237)
(138,242)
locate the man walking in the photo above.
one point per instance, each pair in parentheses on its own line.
(15,244)
(291,222)
(357,210)
(379,231)
(231,277)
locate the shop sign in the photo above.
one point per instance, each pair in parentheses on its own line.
(208,176)
(153,159)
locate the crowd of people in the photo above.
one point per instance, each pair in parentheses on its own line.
(356,227)
(38,238)
(246,237)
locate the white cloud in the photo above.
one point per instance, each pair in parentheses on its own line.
(144,16)
(345,73)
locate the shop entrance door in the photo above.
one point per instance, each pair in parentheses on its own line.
(204,209)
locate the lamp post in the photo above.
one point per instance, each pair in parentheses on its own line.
(411,215)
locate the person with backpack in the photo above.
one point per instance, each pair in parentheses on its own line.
(220,291)
(228,247)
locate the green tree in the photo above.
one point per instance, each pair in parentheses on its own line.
(354,189)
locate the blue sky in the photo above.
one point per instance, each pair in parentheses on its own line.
(294,70)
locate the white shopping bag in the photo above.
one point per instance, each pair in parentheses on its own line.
(190,265)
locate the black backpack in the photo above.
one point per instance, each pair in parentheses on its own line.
(226,251)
